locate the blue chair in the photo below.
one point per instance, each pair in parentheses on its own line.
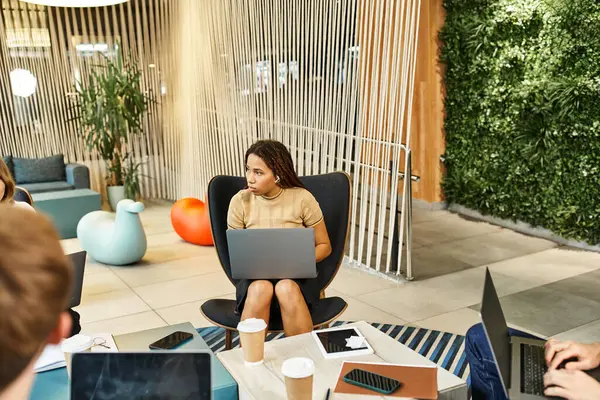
(114,239)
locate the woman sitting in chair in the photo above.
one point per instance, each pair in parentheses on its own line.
(276,198)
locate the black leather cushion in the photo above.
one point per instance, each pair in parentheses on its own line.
(221,190)
(332,191)
(221,312)
(22,195)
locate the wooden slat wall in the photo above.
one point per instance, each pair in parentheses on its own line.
(343,83)
(338,111)
(43,40)
(428,142)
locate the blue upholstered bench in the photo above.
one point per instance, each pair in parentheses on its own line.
(67,207)
(48,174)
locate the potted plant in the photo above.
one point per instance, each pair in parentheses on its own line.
(109,109)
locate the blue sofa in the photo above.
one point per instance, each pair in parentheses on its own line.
(59,190)
(49,174)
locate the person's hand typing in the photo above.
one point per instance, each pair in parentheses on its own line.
(571,385)
(587,356)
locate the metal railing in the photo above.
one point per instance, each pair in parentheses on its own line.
(403,221)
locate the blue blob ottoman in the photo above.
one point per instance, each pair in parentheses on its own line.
(67,207)
(114,239)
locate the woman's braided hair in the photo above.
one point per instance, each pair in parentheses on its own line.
(278,159)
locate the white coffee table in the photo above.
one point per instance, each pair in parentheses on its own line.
(266,381)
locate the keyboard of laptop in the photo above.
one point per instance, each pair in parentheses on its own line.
(533,368)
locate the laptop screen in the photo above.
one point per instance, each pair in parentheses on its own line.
(78,262)
(496,329)
(152,375)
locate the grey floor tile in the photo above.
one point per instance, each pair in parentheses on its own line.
(449,228)
(492,247)
(587,333)
(549,266)
(423,215)
(585,285)
(548,311)
(429,262)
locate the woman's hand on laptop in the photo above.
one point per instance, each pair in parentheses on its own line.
(571,385)
(578,356)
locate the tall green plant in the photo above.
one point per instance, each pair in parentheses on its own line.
(110,110)
(523,111)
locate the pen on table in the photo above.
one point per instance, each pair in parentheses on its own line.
(327,395)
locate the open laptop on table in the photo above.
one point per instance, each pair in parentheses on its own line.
(78,262)
(156,375)
(520,361)
(272,253)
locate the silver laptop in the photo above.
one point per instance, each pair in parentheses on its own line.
(520,361)
(272,253)
(159,375)
(78,262)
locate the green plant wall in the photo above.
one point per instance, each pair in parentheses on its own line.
(523,111)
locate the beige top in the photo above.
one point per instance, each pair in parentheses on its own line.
(291,208)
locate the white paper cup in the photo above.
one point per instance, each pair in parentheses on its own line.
(298,373)
(75,344)
(252,338)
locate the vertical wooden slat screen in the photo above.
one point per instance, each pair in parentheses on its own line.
(338,81)
(47,41)
(332,79)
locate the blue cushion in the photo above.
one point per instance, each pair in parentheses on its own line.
(66,208)
(33,170)
(45,187)
(8,160)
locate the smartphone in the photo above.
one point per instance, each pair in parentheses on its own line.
(369,380)
(171,341)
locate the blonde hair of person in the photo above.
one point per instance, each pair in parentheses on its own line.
(35,283)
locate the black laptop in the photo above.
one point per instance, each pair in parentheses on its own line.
(520,361)
(78,262)
(156,375)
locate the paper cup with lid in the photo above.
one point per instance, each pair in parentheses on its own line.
(298,373)
(252,338)
(76,344)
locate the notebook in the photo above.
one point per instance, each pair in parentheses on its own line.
(418,382)
(51,358)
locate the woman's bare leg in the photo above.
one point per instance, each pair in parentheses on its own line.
(294,311)
(258,301)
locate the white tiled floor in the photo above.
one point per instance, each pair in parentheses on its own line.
(175,278)
(129,323)
(112,304)
(548,266)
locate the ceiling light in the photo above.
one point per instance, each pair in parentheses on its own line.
(22,82)
(75,3)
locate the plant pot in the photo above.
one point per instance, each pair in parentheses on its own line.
(115,195)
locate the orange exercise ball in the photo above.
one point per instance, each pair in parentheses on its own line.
(190,220)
